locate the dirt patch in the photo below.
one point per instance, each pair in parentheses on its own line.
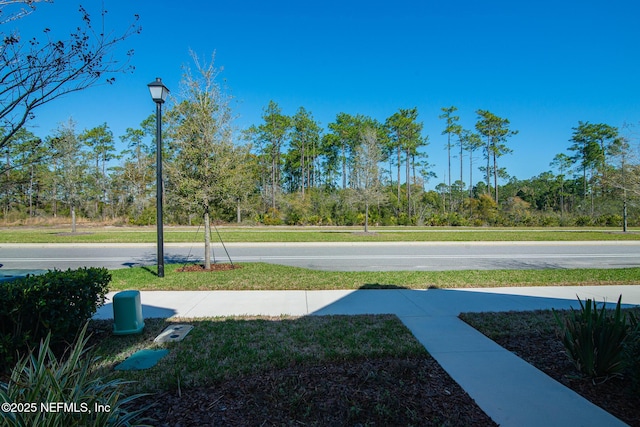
(214,267)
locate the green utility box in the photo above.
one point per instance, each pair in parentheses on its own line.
(127,313)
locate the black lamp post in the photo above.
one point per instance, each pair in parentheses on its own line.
(159,93)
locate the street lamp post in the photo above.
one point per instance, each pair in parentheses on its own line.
(159,94)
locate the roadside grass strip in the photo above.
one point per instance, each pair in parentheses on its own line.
(263,276)
(310,234)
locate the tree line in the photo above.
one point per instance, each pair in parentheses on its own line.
(287,169)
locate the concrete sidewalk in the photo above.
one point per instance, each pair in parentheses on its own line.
(509,390)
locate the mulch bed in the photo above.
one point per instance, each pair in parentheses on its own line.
(214,267)
(546,352)
(375,392)
(379,392)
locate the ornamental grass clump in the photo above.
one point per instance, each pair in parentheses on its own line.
(46,391)
(632,353)
(595,338)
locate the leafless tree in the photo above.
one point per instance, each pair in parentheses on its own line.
(39,70)
(365,173)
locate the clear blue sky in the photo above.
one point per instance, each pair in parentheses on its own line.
(544,65)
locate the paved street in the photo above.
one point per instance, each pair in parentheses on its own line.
(388,256)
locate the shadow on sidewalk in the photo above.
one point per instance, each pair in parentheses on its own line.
(148,312)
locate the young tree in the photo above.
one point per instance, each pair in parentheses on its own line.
(37,71)
(205,159)
(496,131)
(365,172)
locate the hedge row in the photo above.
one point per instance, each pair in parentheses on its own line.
(59,302)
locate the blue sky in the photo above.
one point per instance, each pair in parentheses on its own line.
(544,65)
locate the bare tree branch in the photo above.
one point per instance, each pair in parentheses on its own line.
(18,13)
(35,72)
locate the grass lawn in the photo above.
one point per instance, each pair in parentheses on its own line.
(244,346)
(262,276)
(307,234)
(313,370)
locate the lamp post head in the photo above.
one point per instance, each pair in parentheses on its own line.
(158,90)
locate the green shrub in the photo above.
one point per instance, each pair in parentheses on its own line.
(57,302)
(457,220)
(272,217)
(403,219)
(43,378)
(314,220)
(550,220)
(567,221)
(609,220)
(594,339)
(584,221)
(146,217)
(293,218)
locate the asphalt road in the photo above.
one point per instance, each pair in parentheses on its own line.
(427,256)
